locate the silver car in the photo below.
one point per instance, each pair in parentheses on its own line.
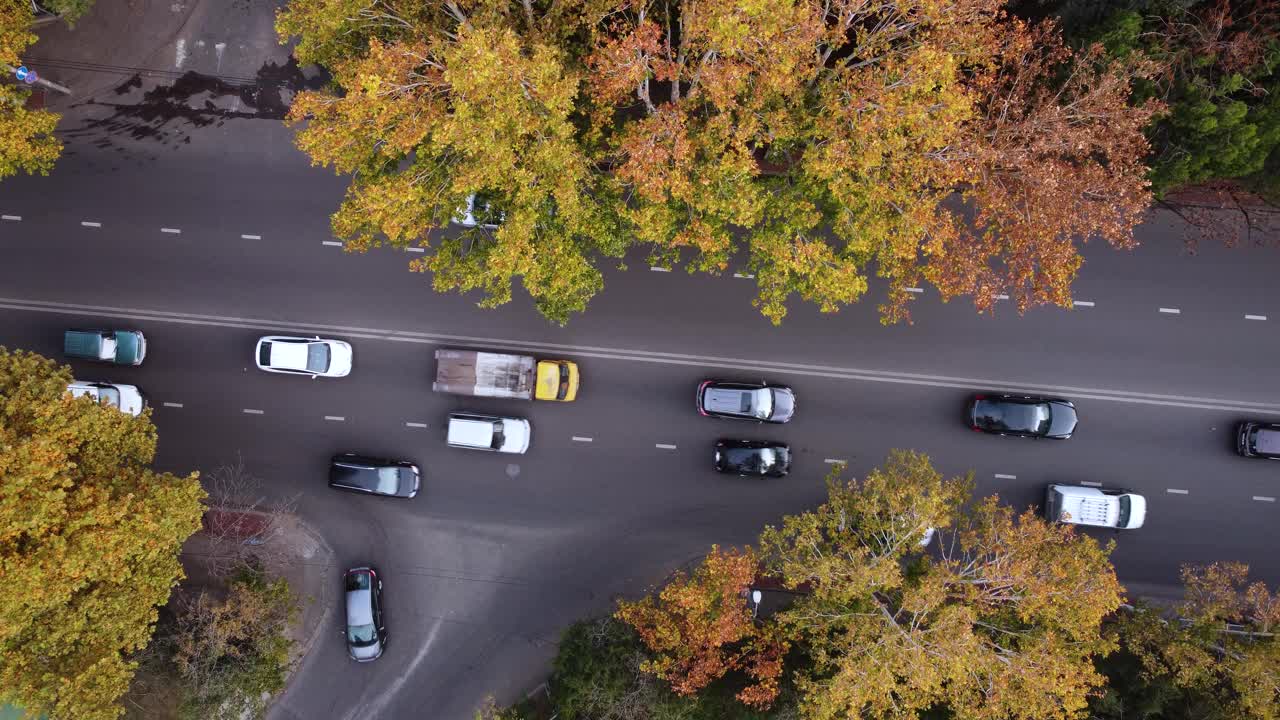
(366,634)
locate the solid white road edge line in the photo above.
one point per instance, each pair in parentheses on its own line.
(1191,402)
(1176,491)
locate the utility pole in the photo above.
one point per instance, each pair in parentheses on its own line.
(22,73)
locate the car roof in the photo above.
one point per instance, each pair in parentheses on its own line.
(471,431)
(721,399)
(359,607)
(292,355)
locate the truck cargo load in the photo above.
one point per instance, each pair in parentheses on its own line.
(521,377)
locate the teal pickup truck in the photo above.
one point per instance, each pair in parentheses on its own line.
(122,347)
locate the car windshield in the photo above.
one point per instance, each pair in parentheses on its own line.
(763,401)
(357,581)
(388,480)
(564,383)
(317,357)
(1125,507)
(362,635)
(110,396)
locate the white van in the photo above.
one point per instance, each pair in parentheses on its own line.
(474,431)
(1079,505)
(125,398)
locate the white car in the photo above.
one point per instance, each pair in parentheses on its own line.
(474,431)
(478,212)
(125,398)
(312,356)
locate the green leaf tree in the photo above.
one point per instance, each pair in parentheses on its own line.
(89,541)
(1214,657)
(27,142)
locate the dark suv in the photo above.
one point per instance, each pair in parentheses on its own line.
(366,635)
(753,458)
(761,402)
(1258,439)
(376,476)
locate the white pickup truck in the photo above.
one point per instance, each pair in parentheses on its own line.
(1095,507)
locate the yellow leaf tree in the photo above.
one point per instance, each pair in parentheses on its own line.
(89,541)
(27,143)
(1000,622)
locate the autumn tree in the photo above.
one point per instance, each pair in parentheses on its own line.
(89,541)
(27,143)
(1213,657)
(1058,157)
(1001,623)
(449,101)
(232,653)
(699,627)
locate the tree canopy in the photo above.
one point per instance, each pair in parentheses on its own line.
(820,140)
(27,143)
(89,541)
(999,618)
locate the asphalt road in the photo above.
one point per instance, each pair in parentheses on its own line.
(498,553)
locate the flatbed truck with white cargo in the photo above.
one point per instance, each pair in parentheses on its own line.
(499,375)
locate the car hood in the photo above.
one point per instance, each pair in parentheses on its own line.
(516,435)
(1062,420)
(130,399)
(784,405)
(340,357)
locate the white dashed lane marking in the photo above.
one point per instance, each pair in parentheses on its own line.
(913,290)
(14,218)
(579,438)
(744,276)
(665,446)
(250,237)
(655,268)
(415,425)
(417,250)
(1000,476)
(835,461)
(173,405)
(332,243)
(171,231)
(1176,491)
(335,418)
(1002,296)
(1255,317)
(90,223)
(251,411)
(1089,483)
(1264,498)
(1082,303)
(1171,311)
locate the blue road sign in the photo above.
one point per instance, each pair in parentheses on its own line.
(22,72)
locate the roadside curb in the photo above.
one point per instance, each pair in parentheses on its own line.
(313,594)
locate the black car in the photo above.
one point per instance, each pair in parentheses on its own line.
(1258,440)
(761,402)
(753,457)
(377,476)
(366,635)
(1022,415)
